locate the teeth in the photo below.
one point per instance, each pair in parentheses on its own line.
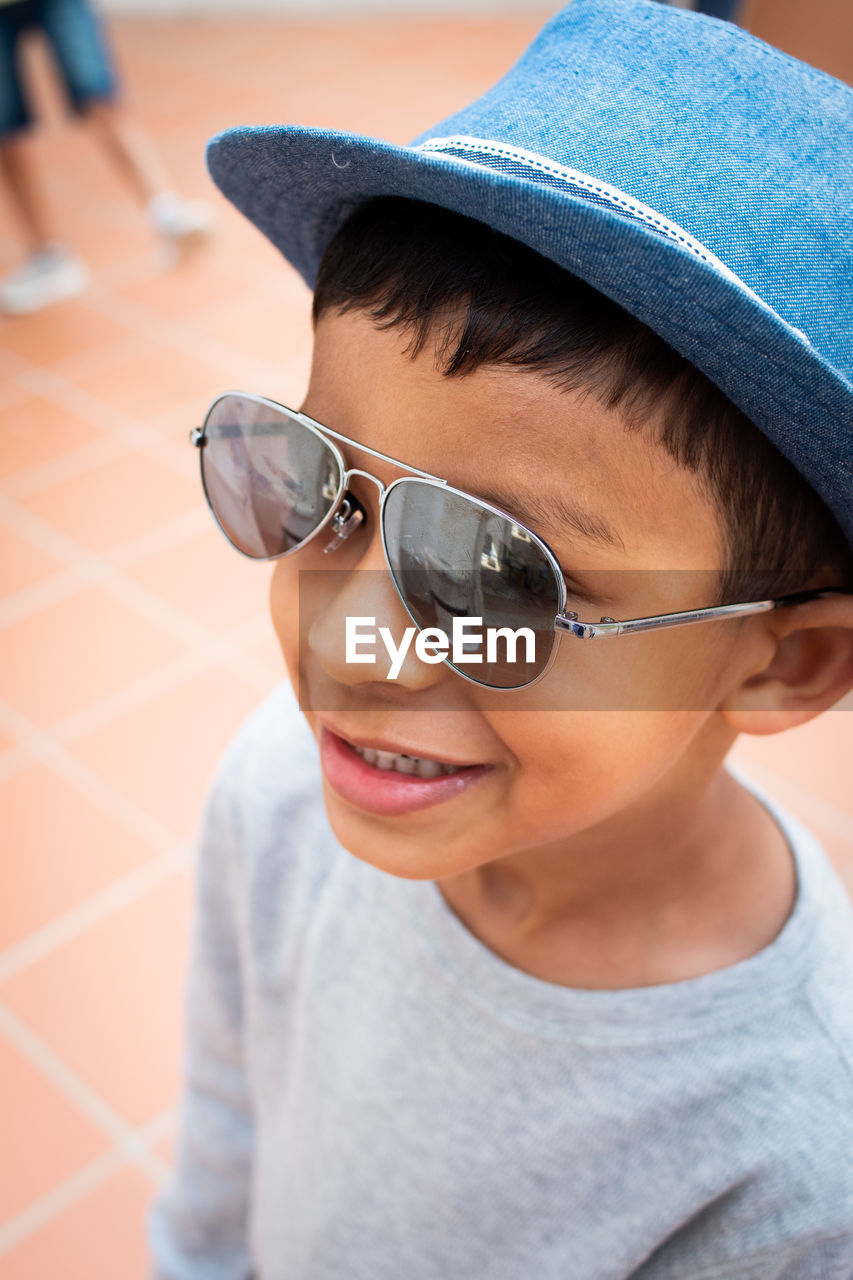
(399,763)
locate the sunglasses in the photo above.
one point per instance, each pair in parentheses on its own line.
(274,479)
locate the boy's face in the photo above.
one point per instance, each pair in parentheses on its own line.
(556,771)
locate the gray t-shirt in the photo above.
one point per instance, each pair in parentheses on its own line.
(372,1094)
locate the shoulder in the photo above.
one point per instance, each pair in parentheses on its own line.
(265,822)
(814,1052)
(827,945)
(270,768)
(792,1053)
(814,953)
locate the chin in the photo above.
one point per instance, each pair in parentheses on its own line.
(385,844)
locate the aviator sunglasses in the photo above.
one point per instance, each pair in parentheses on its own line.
(274,479)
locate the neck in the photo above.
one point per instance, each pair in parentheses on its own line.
(705,884)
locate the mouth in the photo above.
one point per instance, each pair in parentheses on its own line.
(391,782)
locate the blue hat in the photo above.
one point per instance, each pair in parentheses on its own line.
(697,176)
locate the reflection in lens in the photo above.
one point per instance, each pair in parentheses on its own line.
(452,557)
(269,479)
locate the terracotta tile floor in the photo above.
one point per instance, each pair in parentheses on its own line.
(131,641)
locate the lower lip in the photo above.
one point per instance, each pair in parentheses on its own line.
(384,791)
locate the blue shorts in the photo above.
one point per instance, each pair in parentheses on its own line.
(78,43)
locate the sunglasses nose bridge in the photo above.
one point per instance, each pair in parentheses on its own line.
(367,475)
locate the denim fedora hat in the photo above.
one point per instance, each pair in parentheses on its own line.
(694,174)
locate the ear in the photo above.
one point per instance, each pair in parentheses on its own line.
(811,668)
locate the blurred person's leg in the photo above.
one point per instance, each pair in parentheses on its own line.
(183,223)
(82,52)
(129,148)
(19,174)
(50,271)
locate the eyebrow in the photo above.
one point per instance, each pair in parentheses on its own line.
(555,514)
(529,507)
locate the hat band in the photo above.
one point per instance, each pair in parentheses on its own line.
(519,163)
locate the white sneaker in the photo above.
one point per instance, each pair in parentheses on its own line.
(47,276)
(184,225)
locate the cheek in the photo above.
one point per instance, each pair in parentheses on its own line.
(679,670)
(284,610)
(575,770)
(612,729)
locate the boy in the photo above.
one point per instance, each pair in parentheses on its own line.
(579,1004)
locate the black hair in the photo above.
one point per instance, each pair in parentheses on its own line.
(486,299)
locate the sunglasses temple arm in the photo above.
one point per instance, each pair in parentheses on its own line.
(659,622)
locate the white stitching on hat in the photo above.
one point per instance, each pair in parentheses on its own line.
(573,177)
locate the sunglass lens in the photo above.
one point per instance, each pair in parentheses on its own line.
(269,479)
(453,558)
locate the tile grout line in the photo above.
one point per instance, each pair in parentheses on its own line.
(163,680)
(98,358)
(117,427)
(57,1072)
(39,381)
(93,569)
(168,536)
(42,747)
(44,535)
(30,600)
(88,566)
(206,647)
(74,1189)
(199,346)
(253,281)
(124,892)
(68,465)
(40,1212)
(53,381)
(204,656)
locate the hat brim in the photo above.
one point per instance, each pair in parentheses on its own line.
(298,185)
